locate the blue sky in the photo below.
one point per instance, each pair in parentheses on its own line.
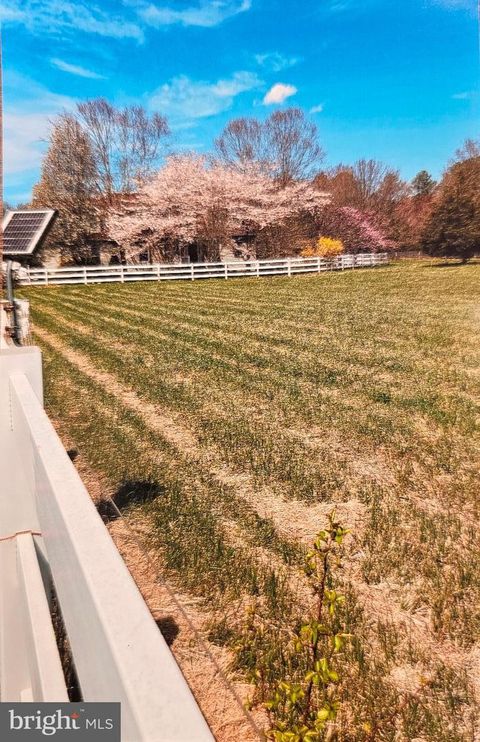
(396,80)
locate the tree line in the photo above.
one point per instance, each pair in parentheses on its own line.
(112,172)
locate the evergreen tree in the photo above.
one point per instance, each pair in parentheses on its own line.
(423,184)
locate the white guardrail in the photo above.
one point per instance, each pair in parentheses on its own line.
(52,535)
(194,271)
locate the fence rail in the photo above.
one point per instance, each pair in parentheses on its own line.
(195,271)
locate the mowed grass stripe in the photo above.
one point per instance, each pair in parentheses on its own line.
(400,546)
(353,286)
(194,323)
(252,374)
(180,446)
(424,402)
(293,355)
(266,292)
(336,419)
(356,360)
(178,353)
(299,394)
(278,461)
(178,309)
(195,506)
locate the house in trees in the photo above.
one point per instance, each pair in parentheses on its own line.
(97,249)
(67,244)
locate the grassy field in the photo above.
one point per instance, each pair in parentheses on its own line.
(232,416)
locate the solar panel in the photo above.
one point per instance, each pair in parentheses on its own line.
(24,230)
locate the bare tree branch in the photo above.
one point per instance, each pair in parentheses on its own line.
(284,146)
(126,143)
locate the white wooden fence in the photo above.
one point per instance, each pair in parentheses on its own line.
(194,271)
(51,534)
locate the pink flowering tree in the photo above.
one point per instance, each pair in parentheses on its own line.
(353,227)
(192,200)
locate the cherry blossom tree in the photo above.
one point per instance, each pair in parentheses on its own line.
(192,199)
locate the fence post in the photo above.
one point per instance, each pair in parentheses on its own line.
(158,272)
(85,279)
(122,277)
(258,269)
(318,265)
(46,276)
(289,267)
(192,272)
(226,270)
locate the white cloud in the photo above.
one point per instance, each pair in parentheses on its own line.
(206,13)
(11,12)
(55,17)
(275,61)
(58,16)
(279,93)
(317,109)
(466,95)
(74,69)
(183,98)
(24,133)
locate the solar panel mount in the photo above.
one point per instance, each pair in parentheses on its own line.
(25,229)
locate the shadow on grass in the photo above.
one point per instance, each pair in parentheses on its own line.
(131,492)
(452,263)
(137,492)
(168,628)
(448,264)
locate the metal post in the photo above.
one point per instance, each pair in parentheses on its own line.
(13,308)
